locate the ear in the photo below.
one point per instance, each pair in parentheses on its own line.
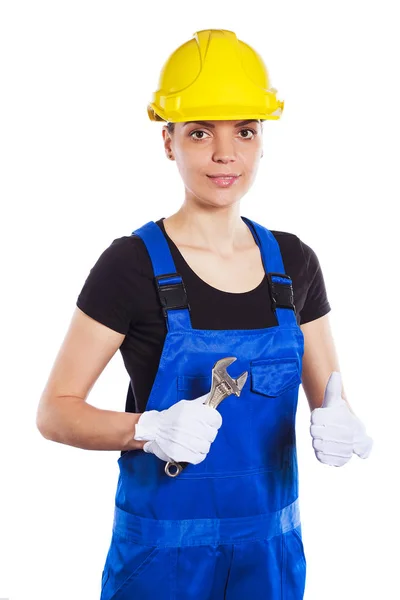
(167,142)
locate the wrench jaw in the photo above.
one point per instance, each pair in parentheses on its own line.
(223,363)
(224,388)
(222,384)
(240,381)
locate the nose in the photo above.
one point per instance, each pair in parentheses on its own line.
(224,151)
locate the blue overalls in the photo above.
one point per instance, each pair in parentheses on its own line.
(229,527)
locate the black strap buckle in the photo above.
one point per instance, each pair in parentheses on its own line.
(281,293)
(172,294)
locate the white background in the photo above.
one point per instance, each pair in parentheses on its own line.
(82,165)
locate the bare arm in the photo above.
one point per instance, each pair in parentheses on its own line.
(63,414)
(319,360)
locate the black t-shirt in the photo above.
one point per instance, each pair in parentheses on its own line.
(120,293)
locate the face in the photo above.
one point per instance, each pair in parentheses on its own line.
(204,150)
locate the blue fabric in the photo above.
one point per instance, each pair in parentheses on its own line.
(230,526)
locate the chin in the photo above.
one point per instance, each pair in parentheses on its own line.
(224,199)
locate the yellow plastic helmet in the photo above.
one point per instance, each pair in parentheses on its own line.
(214,76)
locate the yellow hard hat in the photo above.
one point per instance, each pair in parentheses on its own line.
(214,76)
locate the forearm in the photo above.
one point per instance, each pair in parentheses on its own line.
(315,400)
(76,423)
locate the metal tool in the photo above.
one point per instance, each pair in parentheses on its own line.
(223,385)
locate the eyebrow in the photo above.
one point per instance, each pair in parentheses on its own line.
(208,124)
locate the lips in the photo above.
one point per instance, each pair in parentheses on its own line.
(223,175)
(223,180)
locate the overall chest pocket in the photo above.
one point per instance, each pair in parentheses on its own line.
(274,391)
(274,376)
(190,387)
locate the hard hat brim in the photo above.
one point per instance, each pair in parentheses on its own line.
(156,113)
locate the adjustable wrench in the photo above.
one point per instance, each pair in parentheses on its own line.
(223,385)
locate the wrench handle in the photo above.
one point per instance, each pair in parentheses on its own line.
(178,466)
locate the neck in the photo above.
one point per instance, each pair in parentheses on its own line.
(221,232)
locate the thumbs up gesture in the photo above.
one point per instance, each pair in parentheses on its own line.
(335,430)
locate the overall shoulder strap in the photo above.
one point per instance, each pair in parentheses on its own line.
(280,284)
(169,284)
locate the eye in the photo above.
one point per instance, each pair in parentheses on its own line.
(248,137)
(192,134)
(202,134)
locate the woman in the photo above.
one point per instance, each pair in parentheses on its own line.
(176,296)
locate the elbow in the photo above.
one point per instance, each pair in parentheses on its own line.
(42,425)
(44,422)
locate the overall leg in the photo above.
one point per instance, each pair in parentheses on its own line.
(273,569)
(200,572)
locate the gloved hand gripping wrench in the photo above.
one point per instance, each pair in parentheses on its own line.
(223,385)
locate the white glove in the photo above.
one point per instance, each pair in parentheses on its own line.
(335,430)
(182,433)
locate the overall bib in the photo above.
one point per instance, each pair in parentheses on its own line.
(229,527)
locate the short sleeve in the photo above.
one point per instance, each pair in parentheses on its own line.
(316,304)
(108,294)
